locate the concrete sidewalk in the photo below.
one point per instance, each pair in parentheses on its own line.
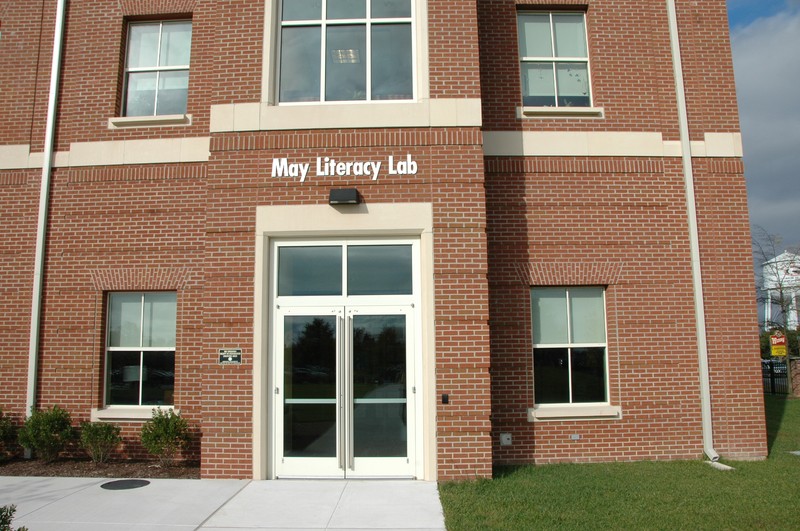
(66,504)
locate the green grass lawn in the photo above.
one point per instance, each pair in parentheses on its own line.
(644,495)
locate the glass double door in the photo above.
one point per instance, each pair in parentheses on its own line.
(345,401)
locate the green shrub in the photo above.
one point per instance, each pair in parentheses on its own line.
(99,439)
(7,516)
(8,436)
(47,432)
(165,434)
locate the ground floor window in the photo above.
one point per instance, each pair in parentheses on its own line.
(569,345)
(140,348)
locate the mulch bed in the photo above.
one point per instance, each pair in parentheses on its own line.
(86,468)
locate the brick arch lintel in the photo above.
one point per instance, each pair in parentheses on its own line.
(149,279)
(570,274)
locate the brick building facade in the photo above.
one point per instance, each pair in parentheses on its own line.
(548,258)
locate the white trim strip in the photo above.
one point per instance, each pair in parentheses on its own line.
(604,144)
(580,412)
(127,122)
(442,113)
(451,112)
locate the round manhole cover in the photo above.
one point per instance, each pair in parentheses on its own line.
(125,484)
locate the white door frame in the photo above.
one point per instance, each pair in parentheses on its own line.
(345,463)
(375,221)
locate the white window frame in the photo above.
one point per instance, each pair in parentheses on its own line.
(168,119)
(557,109)
(368,22)
(133,410)
(575,410)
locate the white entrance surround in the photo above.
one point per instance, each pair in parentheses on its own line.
(414,220)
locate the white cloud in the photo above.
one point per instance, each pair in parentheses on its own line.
(765,54)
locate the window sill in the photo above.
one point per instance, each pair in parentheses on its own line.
(118,413)
(586,412)
(594,112)
(127,122)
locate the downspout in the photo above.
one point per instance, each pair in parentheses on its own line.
(44,200)
(694,239)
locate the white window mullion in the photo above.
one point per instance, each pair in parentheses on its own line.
(555,96)
(368,30)
(569,340)
(141,329)
(323,28)
(158,79)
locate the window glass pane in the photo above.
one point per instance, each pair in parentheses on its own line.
(550,375)
(549,312)
(345,63)
(391,8)
(310,270)
(300,64)
(142,45)
(391,62)
(538,87)
(158,379)
(379,270)
(159,319)
(587,315)
(123,375)
(589,375)
(173,90)
(534,36)
(140,99)
(338,9)
(124,319)
(573,84)
(302,10)
(570,36)
(176,43)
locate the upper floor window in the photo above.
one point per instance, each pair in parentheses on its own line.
(346,50)
(157,68)
(140,347)
(554,60)
(569,345)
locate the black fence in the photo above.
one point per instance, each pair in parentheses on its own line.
(774,377)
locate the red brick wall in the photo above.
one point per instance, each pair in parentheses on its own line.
(595,213)
(19,197)
(19,61)
(450,177)
(732,326)
(120,229)
(190,227)
(619,223)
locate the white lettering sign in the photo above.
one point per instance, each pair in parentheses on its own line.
(330,167)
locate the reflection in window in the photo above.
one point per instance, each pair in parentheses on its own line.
(308,271)
(140,349)
(379,270)
(157,68)
(569,345)
(346,50)
(554,59)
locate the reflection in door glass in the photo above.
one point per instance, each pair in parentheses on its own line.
(379,385)
(310,386)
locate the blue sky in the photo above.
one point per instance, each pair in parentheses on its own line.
(765,41)
(742,12)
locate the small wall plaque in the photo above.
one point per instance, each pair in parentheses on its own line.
(230,356)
